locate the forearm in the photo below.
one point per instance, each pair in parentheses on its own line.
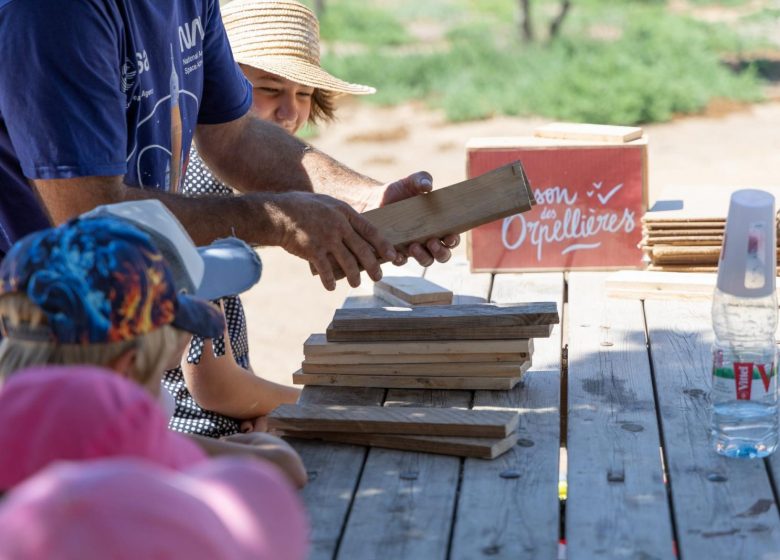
(222,386)
(253,218)
(253,155)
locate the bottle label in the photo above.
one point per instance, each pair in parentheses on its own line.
(756,250)
(743,380)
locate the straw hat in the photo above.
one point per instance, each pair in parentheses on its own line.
(282,37)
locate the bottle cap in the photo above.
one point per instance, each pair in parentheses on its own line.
(748,259)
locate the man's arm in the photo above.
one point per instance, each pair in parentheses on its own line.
(255,155)
(310,226)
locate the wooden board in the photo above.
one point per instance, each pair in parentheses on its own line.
(508,507)
(446,317)
(318,348)
(613,437)
(635,284)
(407,382)
(591,132)
(441,359)
(454,209)
(413,290)
(483,369)
(475,333)
(481,448)
(712,496)
(393,420)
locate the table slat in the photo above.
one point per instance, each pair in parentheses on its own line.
(718,502)
(508,507)
(617,504)
(403,506)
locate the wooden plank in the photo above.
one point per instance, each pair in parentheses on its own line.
(446,317)
(592,132)
(476,369)
(508,507)
(412,515)
(333,472)
(407,382)
(334,469)
(317,345)
(615,474)
(643,284)
(440,359)
(718,502)
(480,448)
(393,420)
(458,333)
(414,290)
(454,209)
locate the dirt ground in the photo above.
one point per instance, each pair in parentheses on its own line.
(740,148)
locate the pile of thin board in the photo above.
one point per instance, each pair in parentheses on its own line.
(451,431)
(684,231)
(472,346)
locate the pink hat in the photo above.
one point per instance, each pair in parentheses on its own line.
(128,509)
(81,412)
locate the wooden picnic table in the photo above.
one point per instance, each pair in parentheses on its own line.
(617,396)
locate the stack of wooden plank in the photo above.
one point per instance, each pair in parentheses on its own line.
(475,346)
(451,431)
(684,232)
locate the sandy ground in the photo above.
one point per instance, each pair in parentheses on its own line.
(740,149)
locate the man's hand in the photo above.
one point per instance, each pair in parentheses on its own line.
(319,228)
(419,183)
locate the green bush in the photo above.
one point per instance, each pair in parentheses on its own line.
(658,65)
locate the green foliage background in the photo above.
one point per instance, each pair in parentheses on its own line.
(615,61)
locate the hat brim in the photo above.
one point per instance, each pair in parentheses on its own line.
(302,72)
(198,317)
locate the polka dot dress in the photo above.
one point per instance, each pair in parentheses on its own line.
(189,417)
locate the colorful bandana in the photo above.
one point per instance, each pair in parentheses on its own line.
(101,280)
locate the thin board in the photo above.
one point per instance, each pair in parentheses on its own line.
(449,334)
(446,316)
(414,290)
(393,420)
(479,448)
(485,369)
(592,132)
(407,382)
(317,345)
(480,200)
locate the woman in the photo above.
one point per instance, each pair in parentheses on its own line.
(276,44)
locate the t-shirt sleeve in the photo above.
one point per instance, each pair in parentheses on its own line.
(61,96)
(227,94)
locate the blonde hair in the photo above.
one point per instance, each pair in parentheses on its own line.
(153,350)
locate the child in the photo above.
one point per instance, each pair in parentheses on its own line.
(98,291)
(129,509)
(77,413)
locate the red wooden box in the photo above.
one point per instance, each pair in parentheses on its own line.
(590,200)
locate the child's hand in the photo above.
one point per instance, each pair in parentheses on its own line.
(275,450)
(259,424)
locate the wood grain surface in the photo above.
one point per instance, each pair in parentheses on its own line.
(407,381)
(393,420)
(469,369)
(481,448)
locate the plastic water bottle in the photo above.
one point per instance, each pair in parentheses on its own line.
(744,317)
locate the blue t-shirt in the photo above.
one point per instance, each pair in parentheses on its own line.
(106,87)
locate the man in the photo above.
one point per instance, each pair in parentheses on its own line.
(100,100)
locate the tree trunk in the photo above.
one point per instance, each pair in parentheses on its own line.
(555,26)
(526,25)
(319,8)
